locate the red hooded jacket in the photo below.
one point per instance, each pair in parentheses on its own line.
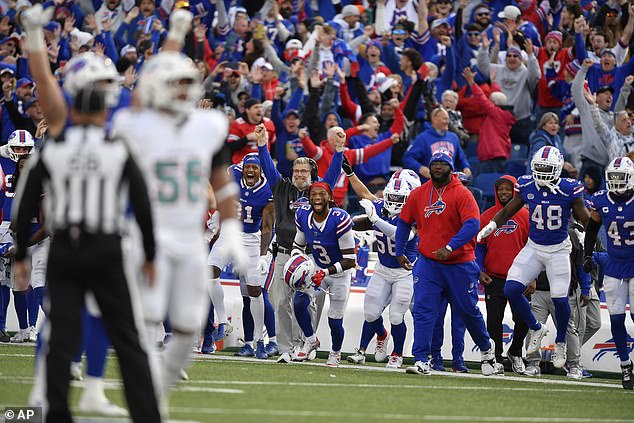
(495,133)
(505,243)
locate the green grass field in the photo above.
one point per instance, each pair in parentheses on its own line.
(227,389)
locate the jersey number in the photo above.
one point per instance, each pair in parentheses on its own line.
(381,246)
(615,234)
(323,254)
(247,214)
(170,185)
(553,217)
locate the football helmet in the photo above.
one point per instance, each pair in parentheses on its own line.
(409,175)
(20,138)
(298,271)
(394,196)
(619,175)
(546,165)
(169,80)
(88,68)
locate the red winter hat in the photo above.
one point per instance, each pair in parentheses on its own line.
(555,35)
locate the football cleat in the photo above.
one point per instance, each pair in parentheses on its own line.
(4,336)
(308,351)
(394,362)
(182,374)
(32,334)
(575,372)
(419,368)
(437,364)
(334,358)
(222,330)
(459,367)
(517,364)
(488,365)
(357,357)
(94,403)
(272,349)
(21,336)
(76,372)
(209,346)
(627,378)
(285,358)
(260,351)
(533,370)
(586,374)
(559,355)
(380,353)
(246,351)
(535,339)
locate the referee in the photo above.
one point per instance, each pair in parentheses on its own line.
(88,180)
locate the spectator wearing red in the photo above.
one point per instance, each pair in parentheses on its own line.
(323,153)
(242,139)
(494,141)
(494,255)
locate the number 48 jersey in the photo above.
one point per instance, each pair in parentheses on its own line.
(549,211)
(324,240)
(385,245)
(618,219)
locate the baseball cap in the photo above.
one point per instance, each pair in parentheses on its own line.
(510,12)
(442,156)
(7,70)
(127,49)
(234,66)
(31,101)
(291,112)
(607,51)
(294,43)
(604,89)
(350,10)
(437,22)
(251,159)
(51,26)
(251,102)
(23,82)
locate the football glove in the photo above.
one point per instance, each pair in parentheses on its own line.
(370,211)
(264,263)
(318,277)
(486,231)
(234,251)
(587,264)
(347,167)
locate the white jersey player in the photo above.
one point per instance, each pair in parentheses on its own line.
(174,144)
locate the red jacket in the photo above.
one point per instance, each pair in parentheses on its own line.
(472,114)
(240,128)
(495,139)
(503,245)
(438,224)
(323,156)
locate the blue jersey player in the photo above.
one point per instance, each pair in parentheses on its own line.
(390,283)
(614,209)
(327,232)
(550,201)
(256,214)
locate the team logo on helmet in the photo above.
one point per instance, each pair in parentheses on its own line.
(297,272)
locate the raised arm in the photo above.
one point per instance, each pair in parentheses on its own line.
(271,173)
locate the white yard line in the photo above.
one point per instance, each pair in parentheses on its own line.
(340,415)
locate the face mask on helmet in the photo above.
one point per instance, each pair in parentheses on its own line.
(547,165)
(619,176)
(395,195)
(20,144)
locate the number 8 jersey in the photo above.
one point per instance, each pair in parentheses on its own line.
(549,210)
(323,238)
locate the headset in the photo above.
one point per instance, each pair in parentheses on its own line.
(314,169)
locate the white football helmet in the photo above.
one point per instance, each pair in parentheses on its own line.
(20,138)
(298,271)
(619,175)
(409,175)
(169,80)
(90,68)
(546,165)
(394,195)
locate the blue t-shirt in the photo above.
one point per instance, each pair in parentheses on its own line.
(549,212)
(324,242)
(385,245)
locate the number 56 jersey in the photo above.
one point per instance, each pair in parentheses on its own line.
(175,156)
(549,211)
(323,240)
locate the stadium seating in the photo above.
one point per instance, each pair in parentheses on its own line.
(486,182)
(471,149)
(515,168)
(519,151)
(479,197)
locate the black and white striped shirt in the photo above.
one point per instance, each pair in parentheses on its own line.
(89,182)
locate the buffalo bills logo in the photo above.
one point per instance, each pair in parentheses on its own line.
(507,336)
(301,201)
(508,228)
(438,207)
(610,347)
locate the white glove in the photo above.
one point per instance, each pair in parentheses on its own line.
(370,211)
(233,250)
(486,231)
(180,24)
(264,262)
(33,20)
(213,224)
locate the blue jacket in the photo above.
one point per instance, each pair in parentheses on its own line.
(420,151)
(540,138)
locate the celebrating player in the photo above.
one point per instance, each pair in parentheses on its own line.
(327,231)
(447,217)
(550,200)
(615,210)
(256,201)
(390,283)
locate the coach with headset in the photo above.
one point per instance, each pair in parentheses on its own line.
(289,194)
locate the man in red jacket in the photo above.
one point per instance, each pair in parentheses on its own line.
(494,255)
(322,154)
(242,140)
